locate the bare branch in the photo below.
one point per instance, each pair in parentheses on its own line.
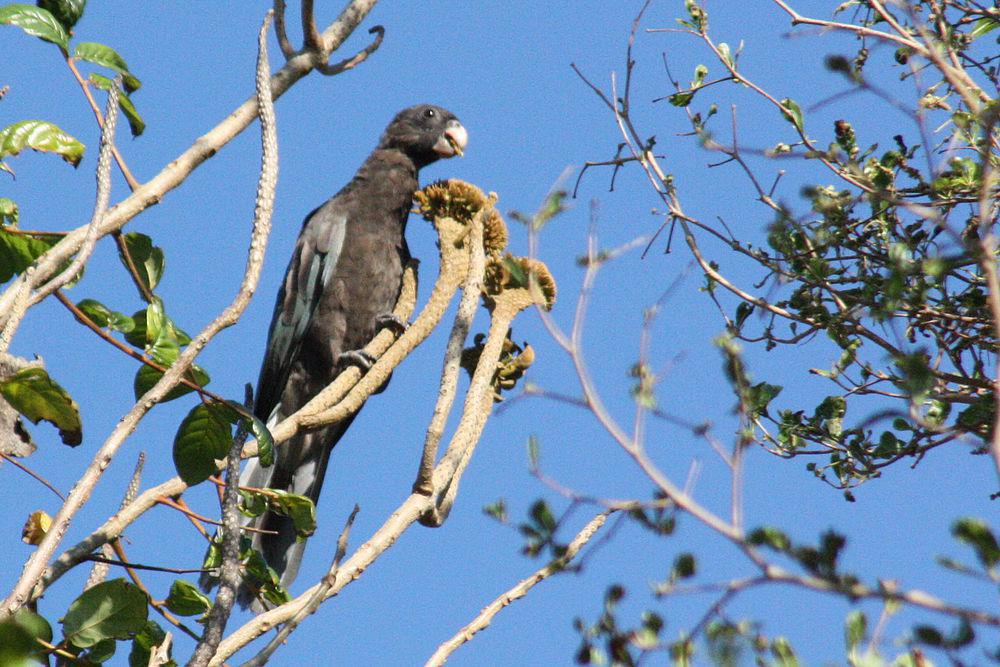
(486,616)
(357,58)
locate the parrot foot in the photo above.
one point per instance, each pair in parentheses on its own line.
(393,322)
(358,358)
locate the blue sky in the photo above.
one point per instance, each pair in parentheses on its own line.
(504,70)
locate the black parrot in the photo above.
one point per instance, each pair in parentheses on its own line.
(340,287)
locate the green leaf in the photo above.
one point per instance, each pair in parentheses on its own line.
(497,510)
(257,428)
(792,113)
(35,21)
(68,12)
(151,636)
(147,376)
(727,54)
(17,646)
(533,452)
(19,251)
(743,311)
(41,136)
(113,609)
(783,653)
(983,26)
(103,316)
(148,259)
(186,600)
(135,122)
(19,639)
(977,534)
(252,504)
(928,634)
(100,652)
(37,396)
(684,567)
(142,337)
(9,213)
(203,437)
(105,56)
(542,516)
(300,509)
(917,376)
(771,537)
(760,396)
(855,630)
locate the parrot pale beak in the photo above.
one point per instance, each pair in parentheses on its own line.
(452,141)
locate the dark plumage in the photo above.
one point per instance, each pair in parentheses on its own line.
(345,273)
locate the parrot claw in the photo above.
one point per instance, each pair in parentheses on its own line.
(358,358)
(392,322)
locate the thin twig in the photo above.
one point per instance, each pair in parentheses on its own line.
(42,480)
(357,58)
(486,616)
(317,599)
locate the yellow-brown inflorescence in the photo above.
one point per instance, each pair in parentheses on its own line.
(519,273)
(514,361)
(461,201)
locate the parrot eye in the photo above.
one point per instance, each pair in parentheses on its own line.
(429,113)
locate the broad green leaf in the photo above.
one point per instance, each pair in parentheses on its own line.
(977,534)
(135,122)
(68,12)
(759,396)
(19,251)
(36,396)
(267,579)
(148,259)
(18,639)
(34,624)
(141,337)
(681,99)
(100,652)
(9,212)
(17,646)
(152,635)
(300,509)
(35,21)
(103,316)
(186,600)
(105,56)
(113,609)
(252,504)
(257,428)
(202,438)
(41,136)
(792,113)
(147,376)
